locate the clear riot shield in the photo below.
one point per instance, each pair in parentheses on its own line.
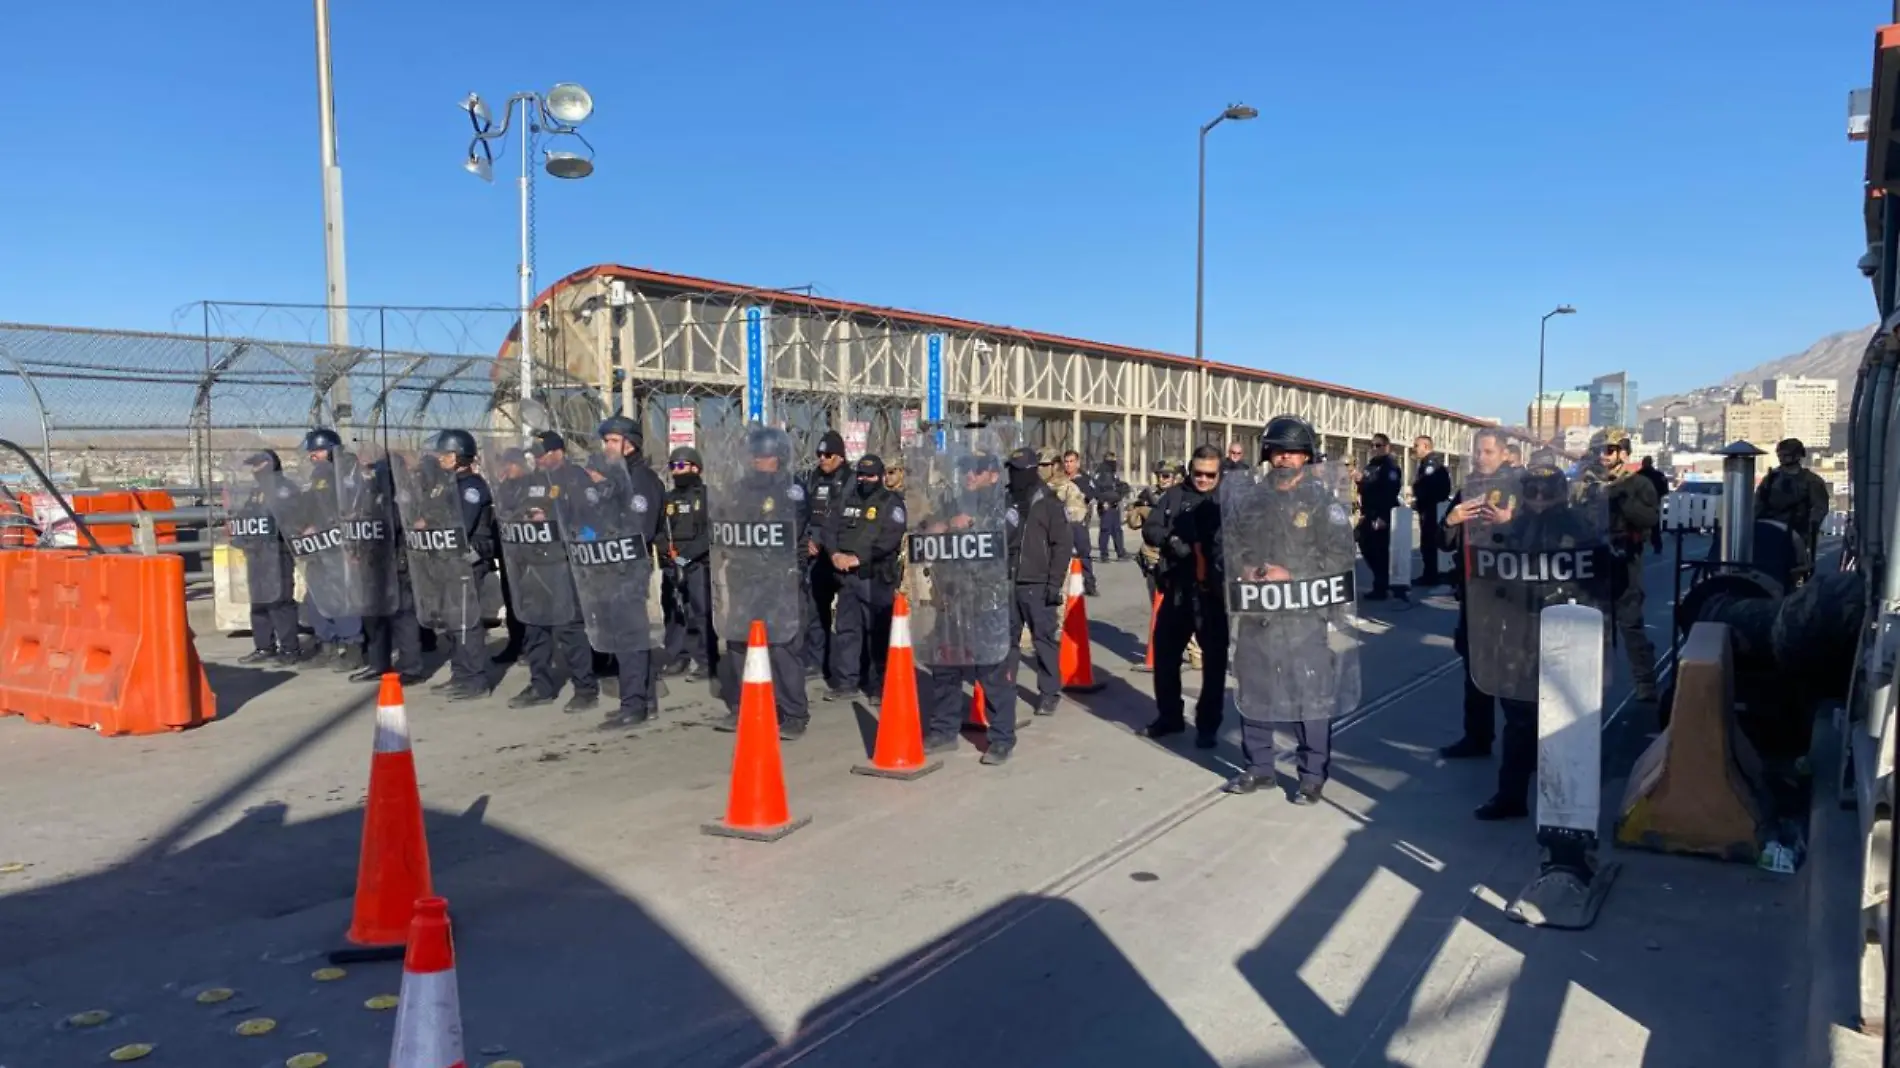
(602,514)
(956,554)
(1288,555)
(758,512)
(253,559)
(1533,538)
(527,492)
(443,578)
(341,531)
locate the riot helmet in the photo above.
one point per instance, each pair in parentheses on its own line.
(457,443)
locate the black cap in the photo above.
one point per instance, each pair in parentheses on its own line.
(869,465)
(546,442)
(510,457)
(685,454)
(832,442)
(1023,459)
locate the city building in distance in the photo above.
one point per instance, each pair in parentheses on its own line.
(1808,407)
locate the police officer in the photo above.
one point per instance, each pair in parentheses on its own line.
(1489,496)
(1074,490)
(448,599)
(685,541)
(1794,495)
(1431,487)
(1185,527)
(861,540)
(393,640)
(1635,510)
(622,438)
(1110,494)
(340,638)
(759,540)
(270,571)
(1540,521)
(959,574)
(542,589)
(1040,547)
(1290,530)
(825,488)
(1379,486)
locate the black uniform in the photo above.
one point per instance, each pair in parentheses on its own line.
(1378,495)
(762,498)
(468,650)
(1185,527)
(1431,488)
(870,526)
(394,641)
(1040,548)
(1299,540)
(686,584)
(537,549)
(269,569)
(638,699)
(341,636)
(1110,493)
(1480,708)
(823,494)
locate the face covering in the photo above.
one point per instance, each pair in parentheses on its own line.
(1023,481)
(867,486)
(685,480)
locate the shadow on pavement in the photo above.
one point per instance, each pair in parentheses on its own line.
(236,686)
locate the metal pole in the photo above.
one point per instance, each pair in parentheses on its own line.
(1200,291)
(1541,328)
(336,297)
(527,263)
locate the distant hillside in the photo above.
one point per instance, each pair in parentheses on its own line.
(1835,356)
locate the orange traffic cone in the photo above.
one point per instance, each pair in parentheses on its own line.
(393,870)
(757,809)
(1154,618)
(900,726)
(429,1012)
(979,717)
(1078,674)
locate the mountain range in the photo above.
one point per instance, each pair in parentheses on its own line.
(1836,356)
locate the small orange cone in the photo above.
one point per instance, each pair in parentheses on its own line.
(393,870)
(979,717)
(900,726)
(757,809)
(429,1011)
(1154,618)
(1077,673)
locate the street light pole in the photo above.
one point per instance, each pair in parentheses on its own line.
(558,112)
(1561,309)
(336,298)
(1239,113)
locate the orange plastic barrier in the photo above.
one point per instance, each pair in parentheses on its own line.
(112,502)
(99,641)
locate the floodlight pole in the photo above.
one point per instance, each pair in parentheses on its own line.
(336,298)
(527,251)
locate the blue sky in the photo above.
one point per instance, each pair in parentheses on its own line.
(1424,182)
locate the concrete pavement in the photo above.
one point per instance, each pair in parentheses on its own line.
(1094,902)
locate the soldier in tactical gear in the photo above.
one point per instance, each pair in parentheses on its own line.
(541,589)
(270,571)
(1073,491)
(861,541)
(686,584)
(759,514)
(1185,529)
(1040,548)
(1635,510)
(1288,540)
(449,533)
(1796,496)
(825,489)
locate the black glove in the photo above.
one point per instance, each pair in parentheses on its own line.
(1052,596)
(1179,549)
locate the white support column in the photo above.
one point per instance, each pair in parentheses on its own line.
(1075,391)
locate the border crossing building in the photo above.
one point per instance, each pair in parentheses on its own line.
(655,342)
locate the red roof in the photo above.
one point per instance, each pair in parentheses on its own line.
(778,296)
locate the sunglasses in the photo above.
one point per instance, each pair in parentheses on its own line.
(680,466)
(1206,474)
(828,455)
